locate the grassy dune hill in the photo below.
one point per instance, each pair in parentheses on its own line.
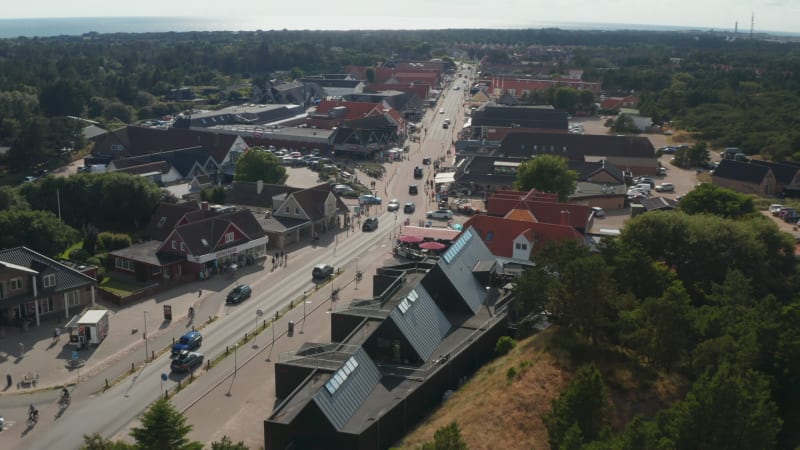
(502,405)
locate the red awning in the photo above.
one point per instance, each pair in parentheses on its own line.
(440,234)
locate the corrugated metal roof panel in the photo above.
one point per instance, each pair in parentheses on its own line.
(342,398)
(457,265)
(422,322)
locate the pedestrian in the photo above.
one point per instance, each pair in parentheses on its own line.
(199,292)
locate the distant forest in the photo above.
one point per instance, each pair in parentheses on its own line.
(733,92)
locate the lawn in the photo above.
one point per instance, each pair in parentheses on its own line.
(120,288)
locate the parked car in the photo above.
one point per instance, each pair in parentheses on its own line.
(427,160)
(409,208)
(665,187)
(239,294)
(393,205)
(341,188)
(29,179)
(370,199)
(441,111)
(661,171)
(322,271)
(418,172)
(370,224)
(775,208)
(440,214)
(189,341)
(668,150)
(186,361)
(598,211)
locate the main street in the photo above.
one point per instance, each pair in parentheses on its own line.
(112,411)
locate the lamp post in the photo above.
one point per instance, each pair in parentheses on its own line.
(235,365)
(146,352)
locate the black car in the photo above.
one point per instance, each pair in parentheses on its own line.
(418,172)
(413,189)
(370,224)
(239,294)
(322,271)
(186,361)
(427,161)
(409,208)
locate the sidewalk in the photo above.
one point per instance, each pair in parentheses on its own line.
(48,357)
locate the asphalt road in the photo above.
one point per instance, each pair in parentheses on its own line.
(112,411)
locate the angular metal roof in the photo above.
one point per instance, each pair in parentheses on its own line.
(348,388)
(457,264)
(421,321)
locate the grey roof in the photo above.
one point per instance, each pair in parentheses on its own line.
(457,264)
(92,131)
(421,321)
(67,279)
(576,146)
(659,203)
(521,116)
(741,171)
(340,405)
(784,173)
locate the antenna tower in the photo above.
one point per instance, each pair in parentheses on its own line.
(752,23)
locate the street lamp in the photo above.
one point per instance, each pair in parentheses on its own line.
(145,336)
(235,366)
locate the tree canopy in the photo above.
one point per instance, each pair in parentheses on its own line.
(163,428)
(258,165)
(547,173)
(712,199)
(37,230)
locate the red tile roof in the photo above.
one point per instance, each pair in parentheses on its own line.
(502,232)
(544,207)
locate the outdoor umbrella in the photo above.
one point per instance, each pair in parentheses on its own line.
(432,245)
(411,239)
(458,227)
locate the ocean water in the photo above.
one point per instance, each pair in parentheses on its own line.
(12,28)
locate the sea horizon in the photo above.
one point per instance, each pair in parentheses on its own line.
(77,26)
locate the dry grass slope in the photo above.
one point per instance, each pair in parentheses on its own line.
(498,412)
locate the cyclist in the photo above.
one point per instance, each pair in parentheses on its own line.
(64,394)
(33,413)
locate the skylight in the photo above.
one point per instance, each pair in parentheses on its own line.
(462,240)
(408,301)
(341,375)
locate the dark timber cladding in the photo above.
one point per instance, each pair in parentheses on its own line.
(399,351)
(576,146)
(520,117)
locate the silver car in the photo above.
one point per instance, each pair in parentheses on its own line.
(445,214)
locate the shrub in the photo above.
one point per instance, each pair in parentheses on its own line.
(113,241)
(511,373)
(79,254)
(504,345)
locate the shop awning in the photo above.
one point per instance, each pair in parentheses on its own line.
(445,177)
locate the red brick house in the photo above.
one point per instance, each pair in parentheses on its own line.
(188,242)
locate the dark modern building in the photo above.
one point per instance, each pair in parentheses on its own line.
(395,355)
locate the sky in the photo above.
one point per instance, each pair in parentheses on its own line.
(770,15)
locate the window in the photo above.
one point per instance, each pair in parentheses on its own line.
(521,246)
(183,247)
(15,284)
(156,270)
(124,264)
(174,245)
(161,222)
(73,298)
(489,236)
(49,280)
(229,237)
(117,148)
(297,211)
(46,305)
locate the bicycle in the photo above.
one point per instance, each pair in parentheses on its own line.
(33,417)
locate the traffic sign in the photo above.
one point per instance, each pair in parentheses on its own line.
(259,312)
(164,377)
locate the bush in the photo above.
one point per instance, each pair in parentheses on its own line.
(511,373)
(79,254)
(113,241)
(504,345)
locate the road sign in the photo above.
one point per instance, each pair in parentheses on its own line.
(164,377)
(259,312)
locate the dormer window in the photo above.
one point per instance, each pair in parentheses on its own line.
(174,245)
(183,247)
(229,237)
(161,222)
(297,211)
(49,280)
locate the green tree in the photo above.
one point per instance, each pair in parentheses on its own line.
(10,198)
(257,165)
(447,437)
(38,230)
(227,444)
(547,173)
(370,74)
(730,409)
(660,328)
(97,442)
(164,428)
(712,199)
(584,403)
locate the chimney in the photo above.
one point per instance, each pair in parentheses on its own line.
(204,206)
(259,186)
(565,217)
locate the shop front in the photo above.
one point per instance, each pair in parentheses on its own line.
(229,260)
